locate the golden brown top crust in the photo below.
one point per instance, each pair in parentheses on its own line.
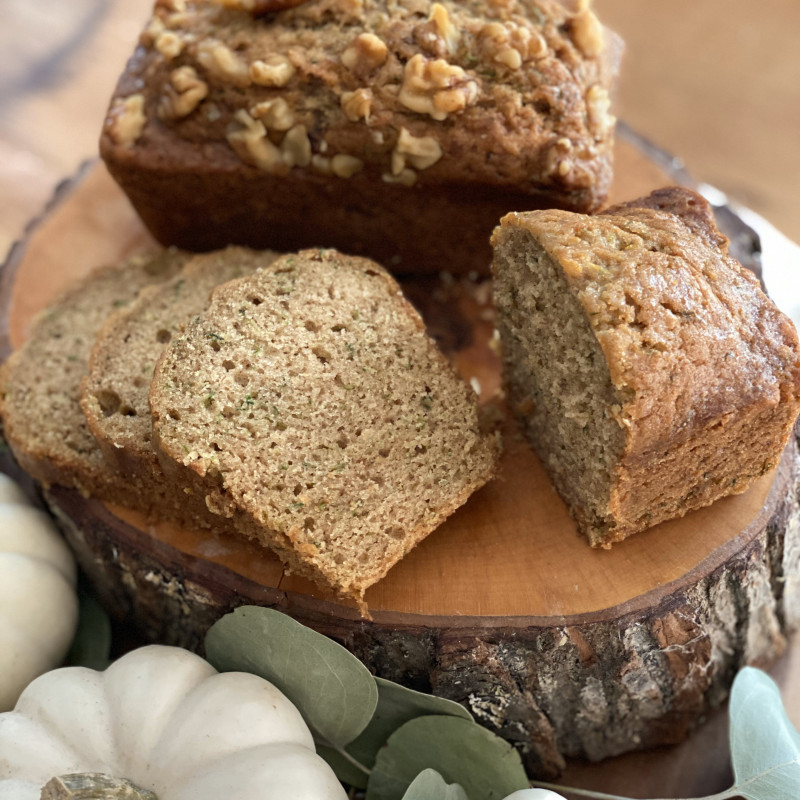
(501,92)
(687,332)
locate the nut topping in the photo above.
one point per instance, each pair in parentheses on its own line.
(169,44)
(420,152)
(365,53)
(248,138)
(344,166)
(185,93)
(444,26)
(357,105)
(436,87)
(126,120)
(588,33)
(275,114)
(276,70)
(296,147)
(221,62)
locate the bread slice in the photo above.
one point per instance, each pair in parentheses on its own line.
(646,366)
(114,393)
(40,382)
(308,403)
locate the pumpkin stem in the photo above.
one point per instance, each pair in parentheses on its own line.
(93,786)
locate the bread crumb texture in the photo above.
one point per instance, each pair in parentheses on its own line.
(308,403)
(647,367)
(40,382)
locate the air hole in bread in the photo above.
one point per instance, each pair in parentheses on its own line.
(342,442)
(339,328)
(371,273)
(384,452)
(242,379)
(298,488)
(127,411)
(256,301)
(228,364)
(173,413)
(163,336)
(109,402)
(309,524)
(322,354)
(311,326)
(215,346)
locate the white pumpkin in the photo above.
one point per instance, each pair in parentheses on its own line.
(164,719)
(38,604)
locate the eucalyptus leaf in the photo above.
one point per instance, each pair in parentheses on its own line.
(396,705)
(91,646)
(765,747)
(461,751)
(430,785)
(332,689)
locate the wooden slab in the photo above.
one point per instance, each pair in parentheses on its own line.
(562,649)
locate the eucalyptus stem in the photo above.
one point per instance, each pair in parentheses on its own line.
(343,753)
(728,793)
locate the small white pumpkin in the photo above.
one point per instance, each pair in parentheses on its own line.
(38,604)
(167,721)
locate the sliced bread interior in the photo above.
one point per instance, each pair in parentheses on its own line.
(40,382)
(308,403)
(114,393)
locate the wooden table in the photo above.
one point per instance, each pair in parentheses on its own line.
(716,82)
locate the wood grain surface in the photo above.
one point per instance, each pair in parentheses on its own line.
(716,82)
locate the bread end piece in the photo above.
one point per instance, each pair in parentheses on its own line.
(646,366)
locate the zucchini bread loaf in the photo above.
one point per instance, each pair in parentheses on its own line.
(309,406)
(398,130)
(646,366)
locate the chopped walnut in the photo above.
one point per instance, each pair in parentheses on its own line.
(221,62)
(344,166)
(275,70)
(126,120)
(407,177)
(365,53)
(510,44)
(169,44)
(275,114)
(444,26)
(597,111)
(186,92)
(564,167)
(321,164)
(296,147)
(436,87)
(588,33)
(357,105)
(420,152)
(154,29)
(248,138)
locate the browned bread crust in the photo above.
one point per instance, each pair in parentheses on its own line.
(402,131)
(648,368)
(308,405)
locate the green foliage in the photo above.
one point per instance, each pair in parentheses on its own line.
(430,785)
(765,748)
(404,745)
(486,766)
(333,690)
